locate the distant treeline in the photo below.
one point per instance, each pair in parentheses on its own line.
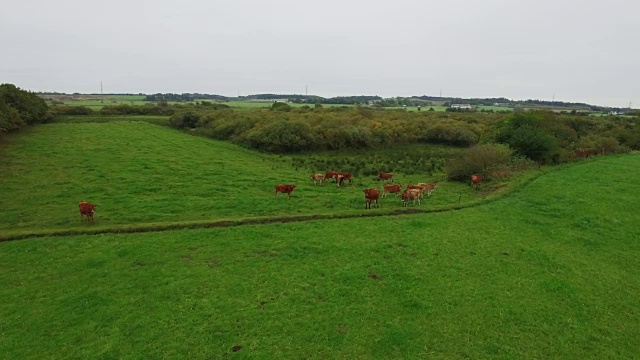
(301,99)
(19,108)
(538,135)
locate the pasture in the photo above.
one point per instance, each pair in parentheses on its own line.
(140,173)
(549,271)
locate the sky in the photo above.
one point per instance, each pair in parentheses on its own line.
(567,50)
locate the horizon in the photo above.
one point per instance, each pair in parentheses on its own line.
(556,99)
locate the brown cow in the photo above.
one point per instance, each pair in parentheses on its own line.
(385,176)
(317,178)
(86,209)
(428,187)
(344,176)
(476,180)
(285,188)
(411,194)
(371,195)
(391,188)
(416,187)
(331,175)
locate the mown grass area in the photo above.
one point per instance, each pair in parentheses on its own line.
(549,272)
(139,173)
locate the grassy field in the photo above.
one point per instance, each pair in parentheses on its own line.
(139,173)
(549,272)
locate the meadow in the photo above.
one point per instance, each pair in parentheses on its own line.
(141,173)
(543,267)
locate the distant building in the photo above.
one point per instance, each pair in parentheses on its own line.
(462,106)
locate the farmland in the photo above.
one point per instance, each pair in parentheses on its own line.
(541,266)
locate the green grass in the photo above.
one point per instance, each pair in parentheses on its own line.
(138,173)
(549,272)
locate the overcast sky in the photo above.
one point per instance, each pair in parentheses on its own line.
(586,51)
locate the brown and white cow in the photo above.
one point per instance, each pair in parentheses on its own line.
(317,178)
(385,176)
(411,194)
(344,176)
(476,180)
(331,175)
(285,188)
(391,188)
(428,187)
(87,209)
(416,187)
(371,195)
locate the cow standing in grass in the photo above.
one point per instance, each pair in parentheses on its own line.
(87,209)
(371,195)
(285,188)
(317,178)
(476,180)
(385,176)
(411,194)
(391,188)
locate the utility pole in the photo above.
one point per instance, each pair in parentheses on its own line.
(306,90)
(101,87)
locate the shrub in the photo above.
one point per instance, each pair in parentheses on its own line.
(449,135)
(184,120)
(481,159)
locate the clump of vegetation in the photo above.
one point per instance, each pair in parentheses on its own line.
(489,160)
(19,108)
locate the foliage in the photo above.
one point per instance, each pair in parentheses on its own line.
(70,110)
(482,159)
(524,133)
(19,108)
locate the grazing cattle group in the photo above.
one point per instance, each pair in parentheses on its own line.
(411,193)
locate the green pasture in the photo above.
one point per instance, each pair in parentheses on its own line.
(549,272)
(139,173)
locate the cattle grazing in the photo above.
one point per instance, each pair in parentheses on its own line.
(476,180)
(391,188)
(411,194)
(428,187)
(344,176)
(87,209)
(371,195)
(317,178)
(331,175)
(385,176)
(285,188)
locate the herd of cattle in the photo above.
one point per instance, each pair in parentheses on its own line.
(411,193)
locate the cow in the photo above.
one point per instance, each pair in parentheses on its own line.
(416,187)
(86,209)
(331,175)
(411,194)
(317,178)
(476,180)
(391,188)
(385,176)
(428,187)
(371,195)
(285,188)
(344,176)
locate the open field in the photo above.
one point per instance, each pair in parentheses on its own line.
(139,173)
(548,272)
